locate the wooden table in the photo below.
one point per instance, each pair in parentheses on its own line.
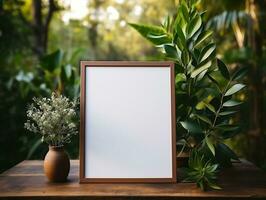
(27,181)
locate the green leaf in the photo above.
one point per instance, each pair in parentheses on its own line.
(204,118)
(234,89)
(214,186)
(194,25)
(76,54)
(202,37)
(227,127)
(52,61)
(207,52)
(213,167)
(150,32)
(240,73)
(191,126)
(167,22)
(228,151)
(229,134)
(171,51)
(68,70)
(201,69)
(210,145)
(200,184)
(180,78)
(222,158)
(184,10)
(231,103)
(201,75)
(194,2)
(157,36)
(185,57)
(180,21)
(227,113)
(213,80)
(210,107)
(223,69)
(179,34)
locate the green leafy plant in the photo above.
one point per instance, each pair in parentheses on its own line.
(59,72)
(204,85)
(53,119)
(201,171)
(56,71)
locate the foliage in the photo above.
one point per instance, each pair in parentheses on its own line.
(204,85)
(60,74)
(201,171)
(55,72)
(53,119)
(245,47)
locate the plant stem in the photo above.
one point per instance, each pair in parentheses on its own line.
(208,132)
(221,104)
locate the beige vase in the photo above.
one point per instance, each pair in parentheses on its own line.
(56,164)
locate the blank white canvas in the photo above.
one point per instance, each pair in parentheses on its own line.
(128,122)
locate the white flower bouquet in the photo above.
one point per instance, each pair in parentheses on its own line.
(53,118)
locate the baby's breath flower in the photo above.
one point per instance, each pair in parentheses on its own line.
(53,119)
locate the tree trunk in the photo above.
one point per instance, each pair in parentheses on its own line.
(51,10)
(37,26)
(255,80)
(41,26)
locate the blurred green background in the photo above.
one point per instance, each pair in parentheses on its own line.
(42,42)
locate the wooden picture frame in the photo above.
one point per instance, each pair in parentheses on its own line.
(106,68)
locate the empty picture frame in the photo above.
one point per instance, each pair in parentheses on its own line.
(127,122)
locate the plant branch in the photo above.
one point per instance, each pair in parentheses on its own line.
(221,104)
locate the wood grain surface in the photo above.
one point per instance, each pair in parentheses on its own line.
(27,181)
